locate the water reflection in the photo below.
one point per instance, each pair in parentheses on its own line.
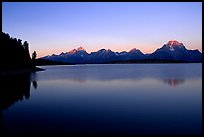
(173,82)
(106,99)
(33,78)
(16,88)
(173,74)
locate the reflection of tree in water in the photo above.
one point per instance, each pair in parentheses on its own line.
(174,82)
(35,84)
(33,78)
(14,88)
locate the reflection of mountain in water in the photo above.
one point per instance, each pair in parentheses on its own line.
(174,82)
(121,72)
(15,88)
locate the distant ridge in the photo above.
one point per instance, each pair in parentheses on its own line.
(173,51)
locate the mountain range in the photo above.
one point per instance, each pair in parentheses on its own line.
(172,51)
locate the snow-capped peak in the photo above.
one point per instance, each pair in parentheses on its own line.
(80,48)
(72,51)
(133,50)
(75,50)
(174,43)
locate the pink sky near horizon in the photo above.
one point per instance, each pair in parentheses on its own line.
(117,26)
(117,48)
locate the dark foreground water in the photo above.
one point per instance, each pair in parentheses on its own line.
(126,99)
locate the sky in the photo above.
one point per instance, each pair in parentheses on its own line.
(55,27)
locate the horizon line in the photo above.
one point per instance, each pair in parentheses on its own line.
(110,50)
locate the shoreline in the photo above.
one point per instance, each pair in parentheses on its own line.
(144,61)
(19,71)
(125,63)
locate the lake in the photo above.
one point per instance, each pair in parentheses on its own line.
(104,99)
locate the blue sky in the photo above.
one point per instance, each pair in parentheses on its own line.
(52,27)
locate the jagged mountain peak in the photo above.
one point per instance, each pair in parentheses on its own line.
(174,43)
(133,50)
(76,50)
(105,50)
(72,51)
(102,50)
(108,50)
(80,48)
(173,50)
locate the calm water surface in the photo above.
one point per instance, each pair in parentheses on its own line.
(104,99)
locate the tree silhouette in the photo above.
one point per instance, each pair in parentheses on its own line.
(19,42)
(25,45)
(34,55)
(14,54)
